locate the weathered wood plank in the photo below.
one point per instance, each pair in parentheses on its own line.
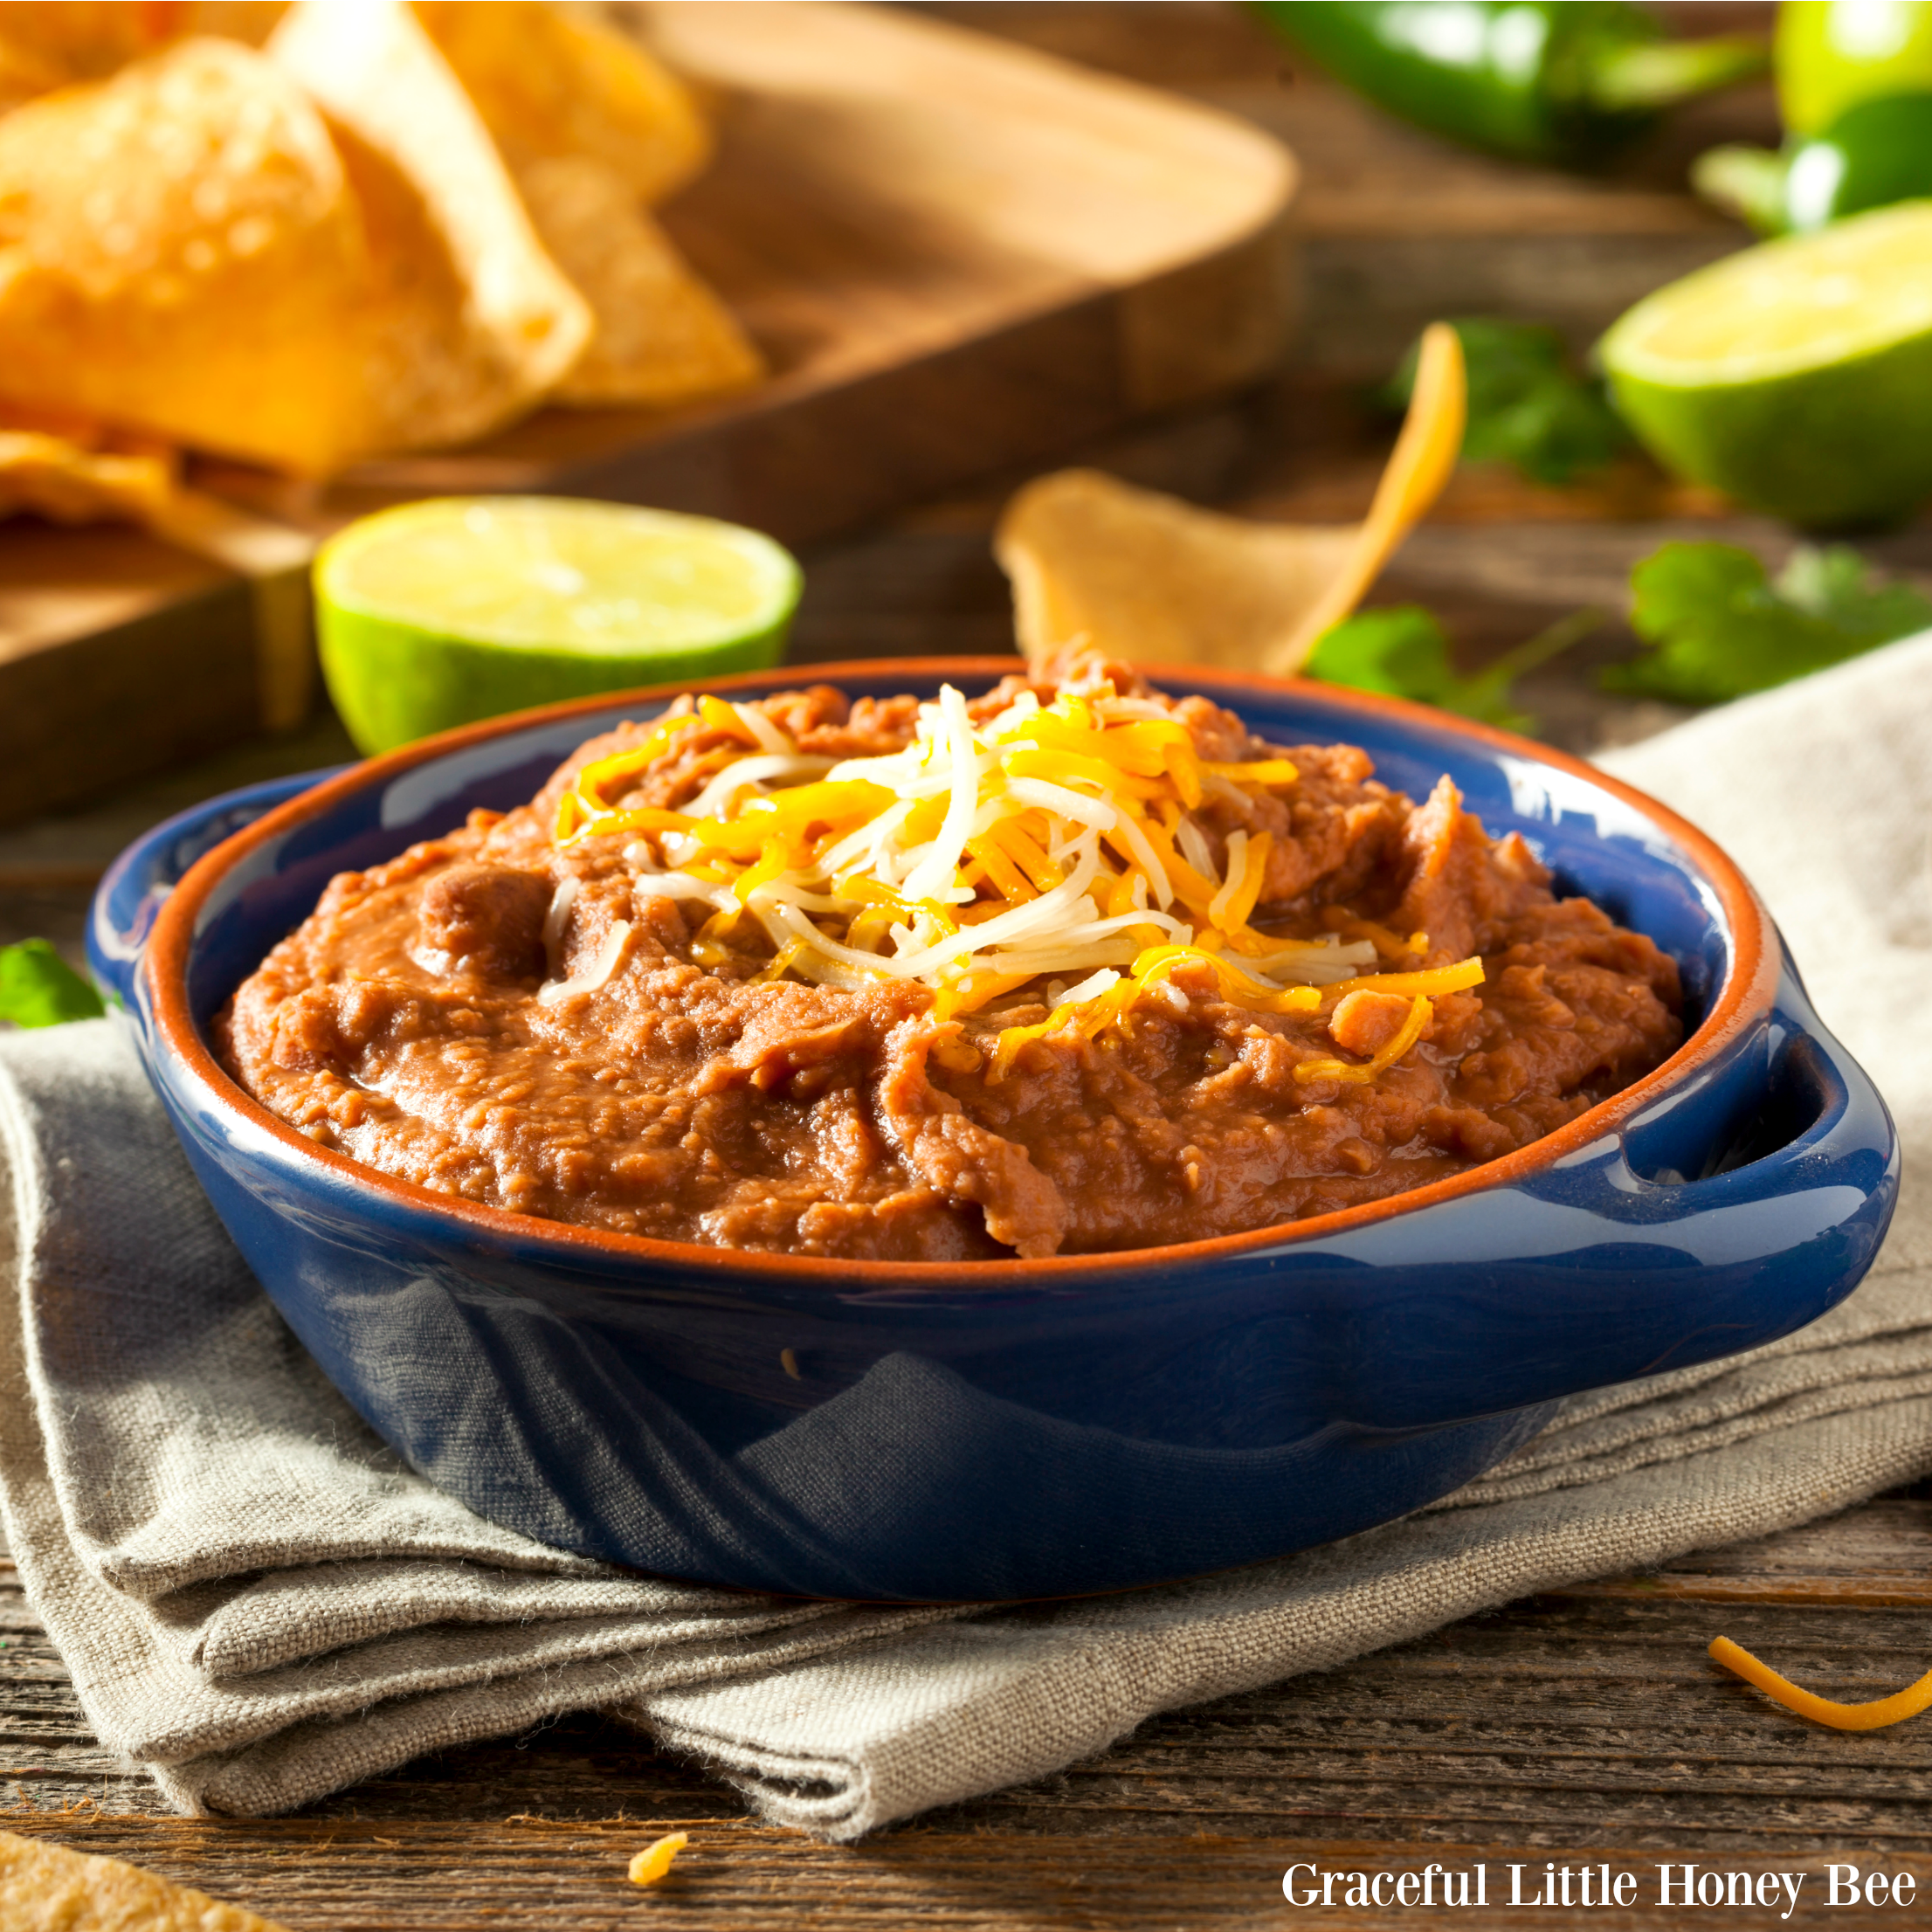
(408,1877)
(1569,1719)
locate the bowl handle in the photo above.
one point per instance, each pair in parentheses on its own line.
(1802,1193)
(1812,1119)
(1609,1264)
(131,893)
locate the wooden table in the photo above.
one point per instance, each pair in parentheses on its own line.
(1582,1724)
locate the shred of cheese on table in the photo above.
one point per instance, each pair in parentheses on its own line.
(1873,1716)
(654,1860)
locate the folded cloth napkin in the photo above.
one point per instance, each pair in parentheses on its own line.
(261,1605)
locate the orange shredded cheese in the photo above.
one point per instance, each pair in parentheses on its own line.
(1405,1037)
(654,1860)
(1872,1716)
(1434,981)
(1263,771)
(1390,945)
(1051,844)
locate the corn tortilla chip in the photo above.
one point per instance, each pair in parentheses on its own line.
(52,477)
(24,73)
(554,81)
(461,336)
(1148,578)
(662,336)
(76,473)
(178,249)
(71,40)
(1151,579)
(88,39)
(48,44)
(48,1888)
(250,21)
(366,277)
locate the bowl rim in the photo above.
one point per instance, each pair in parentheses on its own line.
(1745,996)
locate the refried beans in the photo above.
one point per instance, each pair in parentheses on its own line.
(1071,968)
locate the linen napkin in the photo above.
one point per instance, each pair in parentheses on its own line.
(261,1605)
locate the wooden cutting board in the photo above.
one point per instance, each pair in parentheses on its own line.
(957,254)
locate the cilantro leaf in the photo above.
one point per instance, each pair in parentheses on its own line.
(1402,652)
(1526,405)
(1717,625)
(37,988)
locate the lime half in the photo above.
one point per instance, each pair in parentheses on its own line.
(438,613)
(1796,377)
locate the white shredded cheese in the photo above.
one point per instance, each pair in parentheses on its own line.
(1075,805)
(766,732)
(937,868)
(1090,988)
(1148,860)
(721,791)
(1195,849)
(1316,965)
(681,885)
(557,918)
(597,974)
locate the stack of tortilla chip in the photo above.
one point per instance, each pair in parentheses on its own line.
(303,234)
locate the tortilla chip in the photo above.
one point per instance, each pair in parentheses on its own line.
(662,336)
(552,81)
(1153,579)
(51,477)
(1150,579)
(48,44)
(250,21)
(24,73)
(470,321)
(178,249)
(48,1888)
(73,40)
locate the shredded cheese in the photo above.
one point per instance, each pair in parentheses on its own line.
(597,974)
(1053,842)
(1873,1716)
(654,1860)
(557,917)
(1405,1037)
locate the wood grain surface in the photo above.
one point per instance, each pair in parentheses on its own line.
(1584,1723)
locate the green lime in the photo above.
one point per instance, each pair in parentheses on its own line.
(1796,376)
(459,607)
(1832,54)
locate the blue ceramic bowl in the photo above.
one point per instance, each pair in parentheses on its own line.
(1014,1428)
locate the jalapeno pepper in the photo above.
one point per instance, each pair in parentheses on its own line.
(1832,54)
(1875,153)
(1549,80)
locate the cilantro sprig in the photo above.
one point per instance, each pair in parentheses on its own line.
(1528,407)
(1404,652)
(1716,623)
(37,988)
